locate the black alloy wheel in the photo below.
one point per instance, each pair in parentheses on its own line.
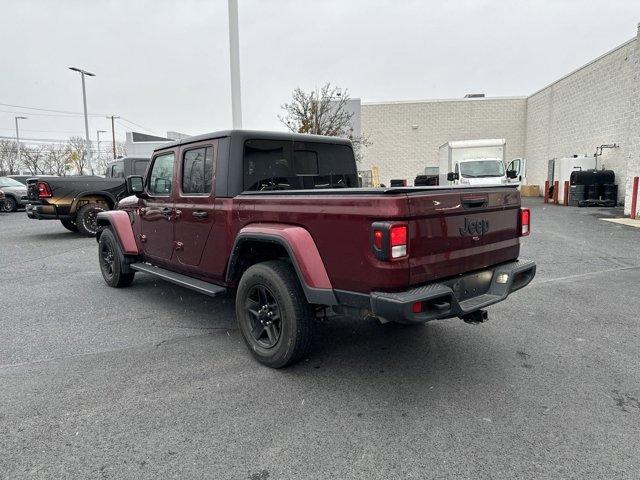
(107,259)
(87,218)
(263,316)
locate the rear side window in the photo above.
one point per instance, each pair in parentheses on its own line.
(161,176)
(140,167)
(197,170)
(286,165)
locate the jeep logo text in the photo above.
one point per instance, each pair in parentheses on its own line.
(474,227)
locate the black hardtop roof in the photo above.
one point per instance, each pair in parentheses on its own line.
(243,135)
(120,159)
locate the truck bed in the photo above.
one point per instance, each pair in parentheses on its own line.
(439,246)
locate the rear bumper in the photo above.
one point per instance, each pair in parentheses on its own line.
(43,212)
(455,297)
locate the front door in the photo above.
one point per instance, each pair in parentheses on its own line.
(194,204)
(158,212)
(517,165)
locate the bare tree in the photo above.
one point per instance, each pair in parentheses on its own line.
(77,153)
(34,159)
(58,159)
(121,149)
(9,164)
(322,112)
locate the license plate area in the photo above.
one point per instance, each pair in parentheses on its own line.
(472,285)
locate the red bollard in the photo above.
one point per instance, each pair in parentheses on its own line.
(566,193)
(634,197)
(546,191)
(555,192)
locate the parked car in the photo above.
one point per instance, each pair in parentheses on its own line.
(15,194)
(76,200)
(276,217)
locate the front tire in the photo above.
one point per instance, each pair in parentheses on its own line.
(110,257)
(69,225)
(10,204)
(273,315)
(87,218)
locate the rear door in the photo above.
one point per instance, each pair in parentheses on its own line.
(459,230)
(194,203)
(157,213)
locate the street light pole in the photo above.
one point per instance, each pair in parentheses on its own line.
(234,58)
(113,133)
(86,119)
(18,138)
(98,132)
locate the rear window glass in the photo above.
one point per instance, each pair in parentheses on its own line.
(286,165)
(197,170)
(140,167)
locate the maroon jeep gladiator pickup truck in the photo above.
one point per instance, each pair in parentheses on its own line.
(280,218)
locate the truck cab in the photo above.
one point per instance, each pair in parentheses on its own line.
(478,162)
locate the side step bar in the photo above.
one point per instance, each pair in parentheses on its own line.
(179,279)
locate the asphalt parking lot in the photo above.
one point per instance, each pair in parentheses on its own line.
(154,381)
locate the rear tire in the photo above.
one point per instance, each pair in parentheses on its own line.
(110,258)
(10,204)
(86,219)
(69,225)
(273,315)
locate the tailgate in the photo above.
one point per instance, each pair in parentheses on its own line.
(457,231)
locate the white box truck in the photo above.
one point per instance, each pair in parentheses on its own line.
(478,162)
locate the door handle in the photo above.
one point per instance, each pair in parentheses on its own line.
(200,214)
(166,211)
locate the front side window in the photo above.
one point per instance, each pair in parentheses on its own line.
(117,170)
(161,176)
(197,170)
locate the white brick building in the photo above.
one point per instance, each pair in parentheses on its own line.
(596,104)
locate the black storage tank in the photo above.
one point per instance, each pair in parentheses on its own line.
(592,177)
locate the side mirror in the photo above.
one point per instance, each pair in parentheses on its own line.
(135,185)
(453,176)
(512,174)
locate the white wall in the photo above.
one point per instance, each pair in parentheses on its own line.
(402,151)
(587,108)
(598,103)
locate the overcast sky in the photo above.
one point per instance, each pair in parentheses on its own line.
(164,64)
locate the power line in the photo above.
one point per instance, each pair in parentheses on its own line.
(48,109)
(137,125)
(68,113)
(43,131)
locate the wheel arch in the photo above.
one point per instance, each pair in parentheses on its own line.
(261,242)
(120,223)
(92,195)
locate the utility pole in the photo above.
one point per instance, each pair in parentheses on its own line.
(86,119)
(18,139)
(234,60)
(113,133)
(98,132)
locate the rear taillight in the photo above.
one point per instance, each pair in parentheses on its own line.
(398,241)
(44,191)
(389,240)
(525,222)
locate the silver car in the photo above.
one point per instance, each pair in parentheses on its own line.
(15,194)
